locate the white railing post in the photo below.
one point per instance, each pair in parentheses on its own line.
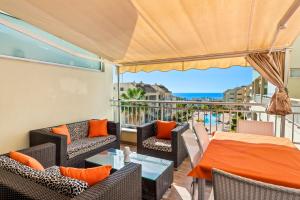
(161,111)
(285,82)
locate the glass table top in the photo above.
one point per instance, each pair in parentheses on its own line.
(152,167)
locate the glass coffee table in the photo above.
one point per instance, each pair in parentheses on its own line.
(157,174)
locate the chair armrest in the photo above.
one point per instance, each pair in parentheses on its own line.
(14,186)
(180,129)
(42,136)
(113,128)
(177,141)
(143,132)
(123,184)
(44,153)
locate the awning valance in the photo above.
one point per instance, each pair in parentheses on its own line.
(131,31)
(186,65)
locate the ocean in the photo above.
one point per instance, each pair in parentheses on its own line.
(193,96)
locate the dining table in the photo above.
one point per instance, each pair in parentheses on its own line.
(253,138)
(251,156)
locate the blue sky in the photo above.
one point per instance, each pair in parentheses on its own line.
(206,81)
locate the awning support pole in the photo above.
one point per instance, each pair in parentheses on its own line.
(118,94)
(285,82)
(284,21)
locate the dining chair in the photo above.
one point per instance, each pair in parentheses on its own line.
(202,135)
(193,150)
(192,147)
(227,186)
(184,194)
(255,127)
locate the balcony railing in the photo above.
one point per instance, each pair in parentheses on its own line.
(216,116)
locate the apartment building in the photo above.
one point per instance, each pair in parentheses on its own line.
(152,91)
(238,94)
(230,95)
(244,94)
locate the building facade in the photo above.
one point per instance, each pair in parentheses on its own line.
(152,91)
(240,94)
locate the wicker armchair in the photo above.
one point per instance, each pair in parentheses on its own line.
(232,187)
(78,132)
(177,151)
(123,184)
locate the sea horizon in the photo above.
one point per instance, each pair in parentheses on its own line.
(199,95)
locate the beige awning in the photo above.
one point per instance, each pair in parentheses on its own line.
(147,35)
(186,65)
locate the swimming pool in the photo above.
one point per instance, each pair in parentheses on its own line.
(213,118)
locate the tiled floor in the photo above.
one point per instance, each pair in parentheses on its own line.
(180,178)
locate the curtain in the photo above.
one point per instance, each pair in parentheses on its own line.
(271,67)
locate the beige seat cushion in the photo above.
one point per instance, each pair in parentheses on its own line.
(87,144)
(158,144)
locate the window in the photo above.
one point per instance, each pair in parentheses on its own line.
(20,45)
(152,97)
(295,72)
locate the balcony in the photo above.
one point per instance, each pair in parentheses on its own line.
(48,81)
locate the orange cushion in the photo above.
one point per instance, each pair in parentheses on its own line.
(26,160)
(98,128)
(90,175)
(164,128)
(63,130)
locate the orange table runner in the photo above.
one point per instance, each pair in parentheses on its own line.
(268,163)
(252,138)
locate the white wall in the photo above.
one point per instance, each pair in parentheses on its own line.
(294,82)
(295,55)
(35,95)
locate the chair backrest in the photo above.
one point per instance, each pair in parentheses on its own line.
(202,135)
(182,192)
(192,147)
(255,127)
(229,186)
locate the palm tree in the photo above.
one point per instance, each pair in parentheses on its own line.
(133,108)
(133,94)
(184,112)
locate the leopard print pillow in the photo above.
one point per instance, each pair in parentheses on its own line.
(54,170)
(50,178)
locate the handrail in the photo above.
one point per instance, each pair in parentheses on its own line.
(192,102)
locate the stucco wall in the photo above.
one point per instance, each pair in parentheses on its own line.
(35,95)
(294,82)
(295,56)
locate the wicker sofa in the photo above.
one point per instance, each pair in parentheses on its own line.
(173,149)
(81,146)
(127,179)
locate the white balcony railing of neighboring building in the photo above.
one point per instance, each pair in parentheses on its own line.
(216,116)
